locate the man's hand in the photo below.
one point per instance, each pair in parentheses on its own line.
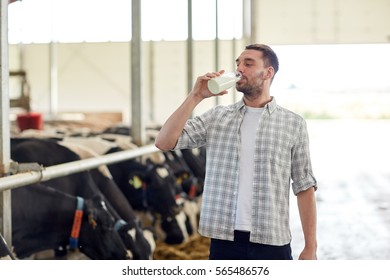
(308,254)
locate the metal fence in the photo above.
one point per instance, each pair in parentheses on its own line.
(46,173)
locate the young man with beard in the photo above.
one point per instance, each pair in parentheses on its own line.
(254,148)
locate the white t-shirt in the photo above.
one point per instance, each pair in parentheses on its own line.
(244,196)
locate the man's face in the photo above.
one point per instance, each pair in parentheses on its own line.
(250,63)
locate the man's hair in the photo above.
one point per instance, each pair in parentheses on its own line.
(269,56)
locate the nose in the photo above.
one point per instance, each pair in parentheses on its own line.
(239,69)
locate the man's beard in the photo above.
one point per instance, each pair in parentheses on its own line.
(250,91)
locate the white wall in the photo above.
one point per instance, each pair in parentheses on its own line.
(323,21)
(91,77)
(95,77)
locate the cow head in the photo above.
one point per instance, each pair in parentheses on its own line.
(141,243)
(162,190)
(98,238)
(165,201)
(153,188)
(190,183)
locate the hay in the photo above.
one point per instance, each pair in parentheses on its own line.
(196,248)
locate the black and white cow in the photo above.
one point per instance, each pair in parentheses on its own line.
(196,162)
(43,218)
(149,187)
(142,243)
(49,152)
(192,185)
(152,188)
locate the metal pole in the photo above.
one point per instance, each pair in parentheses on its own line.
(216,44)
(5,197)
(248,21)
(234,50)
(53,80)
(138,126)
(53,67)
(151,81)
(4,249)
(254,18)
(190,49)
(60,170)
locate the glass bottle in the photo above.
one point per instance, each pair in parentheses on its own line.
(223,82)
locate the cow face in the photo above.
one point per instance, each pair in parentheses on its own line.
(176,228)
(140,243)
(162,190)
(164,195)
(189,182)
(98,238)
(160,194)
(153,188)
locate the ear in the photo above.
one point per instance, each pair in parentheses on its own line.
(269,73)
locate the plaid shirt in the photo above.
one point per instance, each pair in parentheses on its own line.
(281,154)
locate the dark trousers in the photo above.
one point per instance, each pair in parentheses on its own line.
(242,249)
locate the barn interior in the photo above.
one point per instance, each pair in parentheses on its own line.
(117,65)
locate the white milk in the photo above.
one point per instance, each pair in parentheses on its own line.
(223,82)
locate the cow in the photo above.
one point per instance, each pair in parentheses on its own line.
(154,188)
(191,184)
(139,240)
(48,152)
(149,187)
(43,218)
(159,198)
(196,162)
(188,167)
(142,242)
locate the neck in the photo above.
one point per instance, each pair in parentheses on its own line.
(257,102)
(50,219)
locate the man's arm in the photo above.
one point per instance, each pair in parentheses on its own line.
(308,213)
(171,130)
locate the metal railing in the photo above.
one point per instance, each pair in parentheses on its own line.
(60,170)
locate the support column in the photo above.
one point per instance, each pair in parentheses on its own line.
(5,196)
(138,132)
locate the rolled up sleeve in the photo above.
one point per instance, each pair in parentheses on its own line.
(301,168)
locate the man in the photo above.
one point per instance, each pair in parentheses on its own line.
(253,149)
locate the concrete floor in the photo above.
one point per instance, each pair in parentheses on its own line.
(350,161)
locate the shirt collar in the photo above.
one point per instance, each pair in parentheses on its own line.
(270,106)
